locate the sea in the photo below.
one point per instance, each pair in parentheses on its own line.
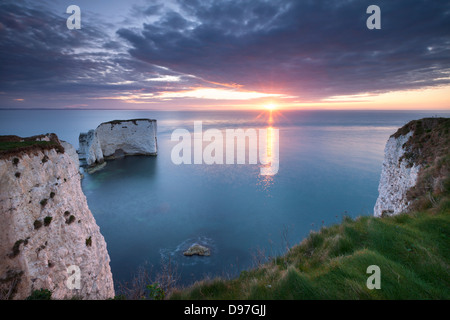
(150,209)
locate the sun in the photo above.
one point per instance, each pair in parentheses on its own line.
(270,106)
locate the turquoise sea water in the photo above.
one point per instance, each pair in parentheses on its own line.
(150,209)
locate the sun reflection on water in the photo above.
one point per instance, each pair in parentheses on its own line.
(270,156)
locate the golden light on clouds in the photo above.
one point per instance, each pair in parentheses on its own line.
(216,94)
(202,93)
(437,98)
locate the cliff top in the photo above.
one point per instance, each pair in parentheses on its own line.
(114,122)
(429,141)
(15,145)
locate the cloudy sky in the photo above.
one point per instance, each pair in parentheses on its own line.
(175,54)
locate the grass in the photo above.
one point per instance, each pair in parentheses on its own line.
(41,294)
(430,140)
(412,251)
(15,146)
(433,184)
(12,145)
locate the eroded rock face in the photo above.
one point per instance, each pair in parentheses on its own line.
(397,177)
(90,148)
(118,138)
(46,227)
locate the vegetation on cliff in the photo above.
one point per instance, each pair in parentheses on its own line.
(118,122)
(430,140)
(411,250)
(429,147)
(14,145)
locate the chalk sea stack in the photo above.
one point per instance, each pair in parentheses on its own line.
(118,138)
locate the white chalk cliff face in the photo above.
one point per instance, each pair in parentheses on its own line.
(90,149)
(46,227)
(119,138)
(71,152)
(397,177)
(131,137)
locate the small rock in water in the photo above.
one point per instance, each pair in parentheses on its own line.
(197,249)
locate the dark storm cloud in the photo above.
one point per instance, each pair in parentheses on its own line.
(311,48)
(40,55)
(37,50)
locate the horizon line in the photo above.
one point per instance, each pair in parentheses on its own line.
(223,109)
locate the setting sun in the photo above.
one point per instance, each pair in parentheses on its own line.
(270,106)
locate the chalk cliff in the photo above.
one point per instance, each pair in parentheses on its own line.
(46,226)
(90,149)
(415,150)
(118,138)
(71,152)
(397,177)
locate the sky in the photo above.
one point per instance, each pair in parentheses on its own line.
(225,54)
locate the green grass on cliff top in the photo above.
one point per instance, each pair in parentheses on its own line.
(412,251)
(17,146)
(13,145)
